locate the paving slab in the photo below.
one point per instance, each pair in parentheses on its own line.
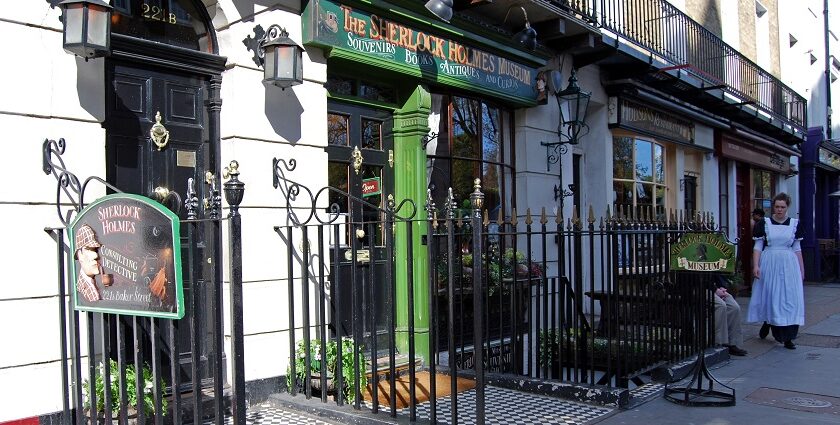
(828,326)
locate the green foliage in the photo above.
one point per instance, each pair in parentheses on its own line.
(331,353)
(552,341)
(499,268)
(131,393)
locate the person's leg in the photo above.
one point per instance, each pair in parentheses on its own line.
(733,319)
(721,327)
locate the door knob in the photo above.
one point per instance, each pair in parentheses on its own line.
(165,196)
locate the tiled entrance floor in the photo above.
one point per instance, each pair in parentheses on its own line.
(502,407)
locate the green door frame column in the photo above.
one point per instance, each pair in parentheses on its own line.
(411,123)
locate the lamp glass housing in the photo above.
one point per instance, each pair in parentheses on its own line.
(573,104)
(73,24)
(283,60)
(87,27)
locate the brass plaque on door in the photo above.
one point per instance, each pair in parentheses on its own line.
(185,159)
(362,256)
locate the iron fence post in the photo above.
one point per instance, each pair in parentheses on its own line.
(234,190)
(477,200)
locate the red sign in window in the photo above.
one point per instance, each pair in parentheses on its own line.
(371,187)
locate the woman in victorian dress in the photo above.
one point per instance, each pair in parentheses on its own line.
(778,269)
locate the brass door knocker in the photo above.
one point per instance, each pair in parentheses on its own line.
(159,133)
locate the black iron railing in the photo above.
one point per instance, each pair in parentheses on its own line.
(661,28)
(670,34)
(591,302)
(515,296)
(116,366)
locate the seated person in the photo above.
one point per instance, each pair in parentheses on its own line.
(727,319)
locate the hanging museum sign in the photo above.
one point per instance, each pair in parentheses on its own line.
(647,120)
(127,258)
(390,43)
(703,252)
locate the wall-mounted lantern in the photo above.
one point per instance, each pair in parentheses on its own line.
(573,104)
(283,58)
(87,27)
(527,36)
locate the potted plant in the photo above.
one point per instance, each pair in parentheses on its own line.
(348,371)
(148,400)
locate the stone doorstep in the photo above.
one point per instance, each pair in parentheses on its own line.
(600,395)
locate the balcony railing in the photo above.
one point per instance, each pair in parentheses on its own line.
(661,28)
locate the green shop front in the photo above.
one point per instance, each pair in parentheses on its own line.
(415,107)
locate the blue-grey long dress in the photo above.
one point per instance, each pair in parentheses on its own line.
(777,296)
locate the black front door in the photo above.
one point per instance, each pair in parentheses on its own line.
(360,150)
(138,97)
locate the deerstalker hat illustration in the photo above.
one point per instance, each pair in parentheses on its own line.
(86,238)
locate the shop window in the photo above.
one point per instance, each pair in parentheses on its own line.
(723,220)
(763,190)
(638,176)
(469,143)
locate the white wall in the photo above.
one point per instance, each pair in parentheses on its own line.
(52,94)
(46,94)
(804,20)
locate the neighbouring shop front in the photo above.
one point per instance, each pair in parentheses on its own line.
(658,159)
(819,184)
(415,108)
(752,169)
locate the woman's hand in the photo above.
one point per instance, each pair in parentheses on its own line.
(756,272)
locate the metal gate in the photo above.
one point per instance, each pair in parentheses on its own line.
(123,368)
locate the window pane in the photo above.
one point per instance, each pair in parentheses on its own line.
(644,194)
(766,188)
(338,179)
(371,134)
(378,92)
(337,127)
(659,163)
(644,161)
(491,134)
(439,179)
(623,193)
(660,199)
(463,174)
(623,158)
(340,86)
(465,119)
(757,191)
(491,185)
(371,214)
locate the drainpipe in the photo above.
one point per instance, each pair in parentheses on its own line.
(827,75)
